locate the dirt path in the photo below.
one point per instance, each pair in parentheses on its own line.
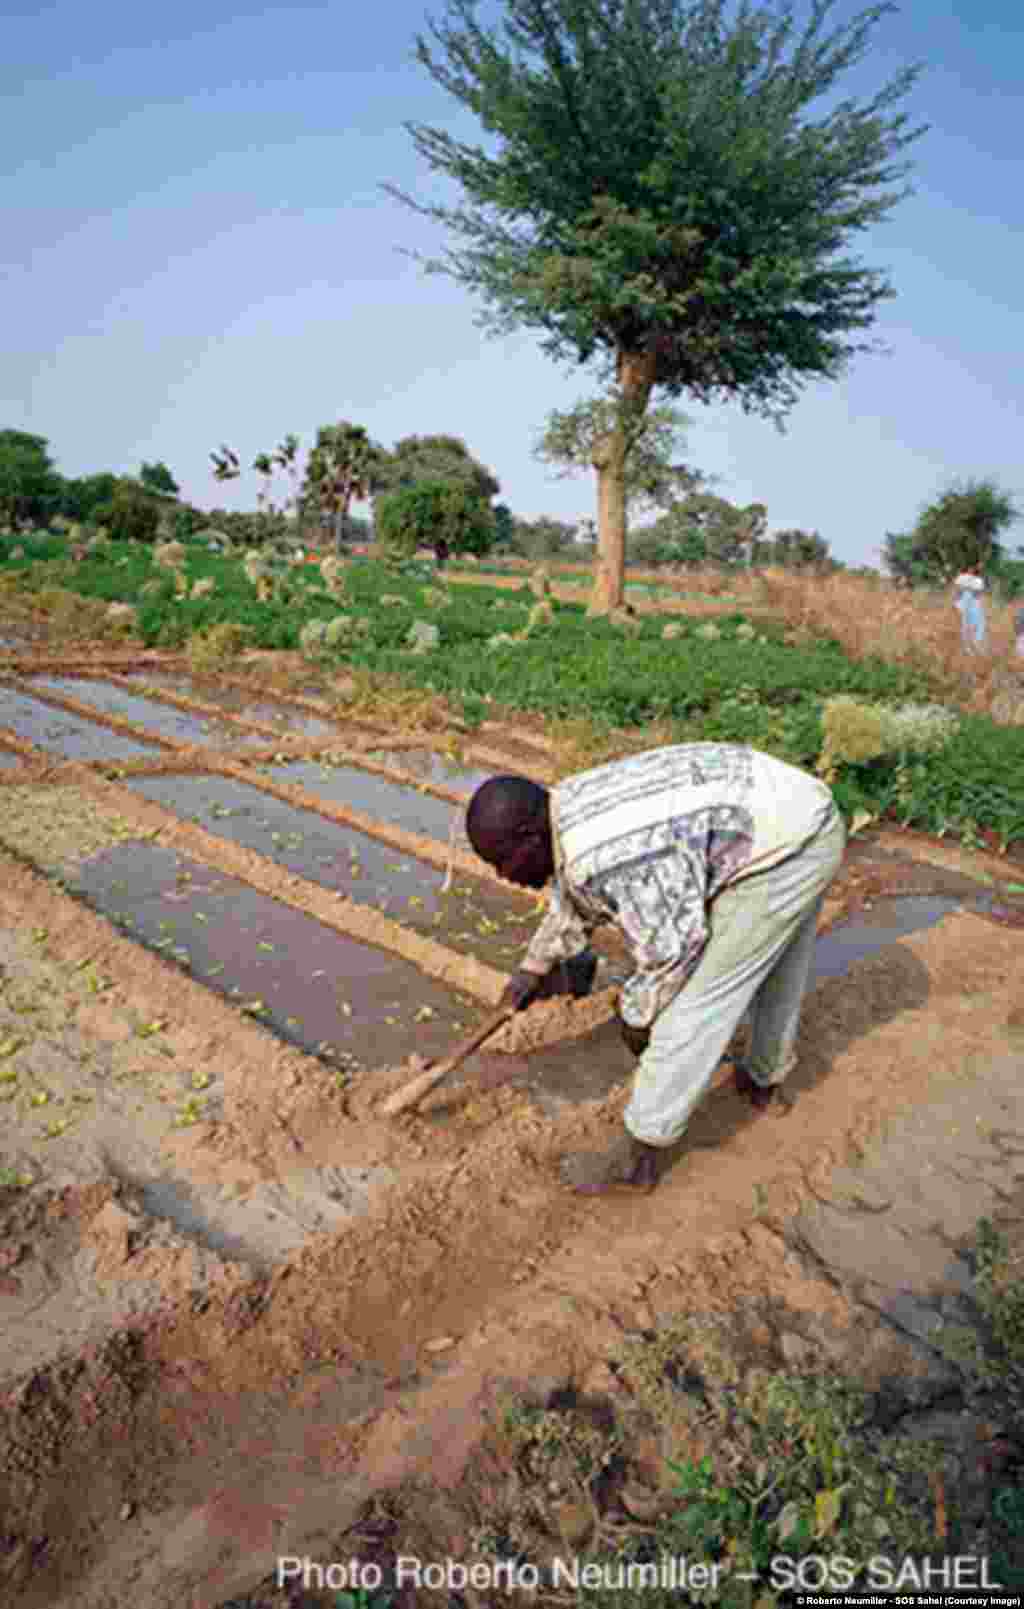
(224,1333)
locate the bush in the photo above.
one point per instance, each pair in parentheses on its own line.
(312,638)
(344,630)
(132,515)
(71,615)
(207,650)
(251,530)
(856,732)
(169,555)
(187,523)
(208,534)
(429,512)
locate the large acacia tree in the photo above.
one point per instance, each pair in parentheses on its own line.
(657,200)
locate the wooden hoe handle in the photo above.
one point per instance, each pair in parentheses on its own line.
(412,1093)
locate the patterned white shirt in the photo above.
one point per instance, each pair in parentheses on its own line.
(646,843)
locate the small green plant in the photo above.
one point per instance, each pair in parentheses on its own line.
(794,1469)
(312,638)
(217,646)
(363,1598)
(11,1179)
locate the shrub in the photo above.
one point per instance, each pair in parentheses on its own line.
(856,732)
(542,614)
(853,733)
(255,569)
(121,617)
(919,728)
(344,630)
(132,515)
(312,638)
(423,637)
(73,616)
(217,646)
(169,555)
(332,572)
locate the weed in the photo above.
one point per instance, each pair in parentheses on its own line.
(191,1112)
(217,646)
(765,1465)
(11,1179)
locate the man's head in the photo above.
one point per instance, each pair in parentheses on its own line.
(508,826)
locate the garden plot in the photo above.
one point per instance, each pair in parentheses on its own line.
(408,807)
(290,722)
(163,720)
(247,1373)
(431,766)
(71,736)
(317,988)
(473,917)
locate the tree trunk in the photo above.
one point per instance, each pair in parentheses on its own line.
(609,580)
(636,380)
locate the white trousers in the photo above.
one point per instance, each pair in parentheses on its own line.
(758,958)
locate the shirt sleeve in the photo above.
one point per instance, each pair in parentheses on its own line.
(561,935)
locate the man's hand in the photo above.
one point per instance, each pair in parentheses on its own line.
(521,988)
(637,1039)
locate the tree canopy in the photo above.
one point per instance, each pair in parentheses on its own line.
(157,478)
(30,486)
(435,458)
(702,526)
(658,201)
(344,466)
(654,478)
(432,512)
(959,529)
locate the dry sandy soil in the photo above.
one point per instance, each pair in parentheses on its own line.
(314,1362)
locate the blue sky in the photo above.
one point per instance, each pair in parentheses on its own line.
(197,250)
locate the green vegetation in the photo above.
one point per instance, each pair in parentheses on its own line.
(797,1465)
(431,512)
(700,244)
(961,528)
(752,683)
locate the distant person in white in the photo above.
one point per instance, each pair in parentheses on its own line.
(969,587)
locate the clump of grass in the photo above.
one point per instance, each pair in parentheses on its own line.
(580,742)
(217,646)
(384,699)
(72,617)
(857,732)
(311,638)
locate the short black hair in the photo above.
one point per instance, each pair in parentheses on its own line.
(502,810)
